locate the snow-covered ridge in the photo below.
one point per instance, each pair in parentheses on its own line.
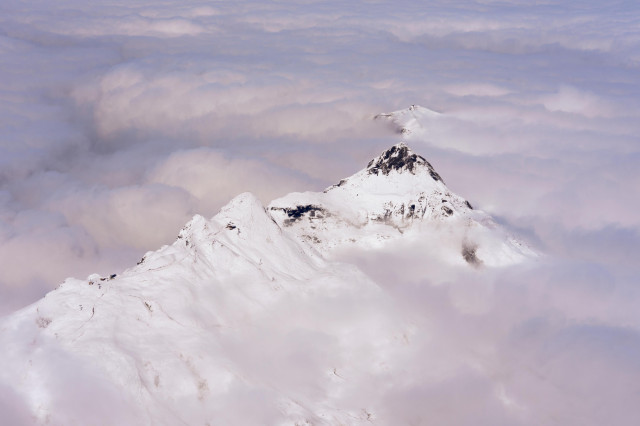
(225,310)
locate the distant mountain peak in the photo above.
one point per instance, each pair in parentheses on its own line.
(409,120)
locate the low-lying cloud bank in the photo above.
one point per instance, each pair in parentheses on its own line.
(548,343)
(118,122)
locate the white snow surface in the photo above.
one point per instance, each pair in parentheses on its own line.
(253,316)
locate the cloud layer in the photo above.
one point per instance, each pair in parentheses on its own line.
(118,122)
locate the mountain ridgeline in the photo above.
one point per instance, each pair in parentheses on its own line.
(254,316)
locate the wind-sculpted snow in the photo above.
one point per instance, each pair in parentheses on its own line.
(251,302)
(168,338)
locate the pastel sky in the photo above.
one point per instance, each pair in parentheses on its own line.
(120,120)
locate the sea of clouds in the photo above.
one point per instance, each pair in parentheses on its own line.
(120,120)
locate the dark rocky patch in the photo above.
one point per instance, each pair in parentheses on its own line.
(469,255)
(468,204)
(342,182)
(399,157)
(296,213)
(395,158)
(447,211)
(435,176)
(312,238)
(230,226)
(299,211)
(411,211)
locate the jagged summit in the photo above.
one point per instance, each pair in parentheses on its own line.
(397,170)
(400,158)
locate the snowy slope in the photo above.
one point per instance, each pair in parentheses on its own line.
(249,317)
(164,342)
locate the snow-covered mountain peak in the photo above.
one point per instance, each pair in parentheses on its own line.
(409,120)
(245,204)
(243,232)
(243,214)
(397,171)
(399,194)
(400,158)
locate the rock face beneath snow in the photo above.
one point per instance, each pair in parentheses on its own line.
(400,158)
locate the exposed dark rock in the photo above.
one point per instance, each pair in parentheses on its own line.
(299,211)
(230,226)
(469,255)
(434,175)
(447,211)
(295,214)
(342,182)
(400,158)
(468,204)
